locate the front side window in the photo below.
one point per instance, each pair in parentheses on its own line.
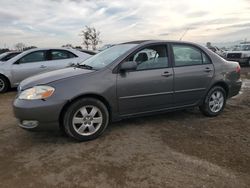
(152,57)
(33,57)
(61,54)
(186,55)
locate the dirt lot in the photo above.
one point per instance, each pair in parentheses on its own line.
(179,149)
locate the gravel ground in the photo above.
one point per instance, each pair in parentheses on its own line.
(178,149)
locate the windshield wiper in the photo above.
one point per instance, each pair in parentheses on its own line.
(84,66)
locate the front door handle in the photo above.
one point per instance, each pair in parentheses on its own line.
(43,66)
(207,69)
(167,74)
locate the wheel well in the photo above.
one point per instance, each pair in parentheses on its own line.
(223,85)
(6,79)
(95,96)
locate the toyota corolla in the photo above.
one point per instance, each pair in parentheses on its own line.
(131,79)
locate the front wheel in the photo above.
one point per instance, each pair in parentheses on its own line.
(214,102)
(4,84)
(86,119)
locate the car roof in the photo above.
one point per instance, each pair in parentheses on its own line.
(158,41)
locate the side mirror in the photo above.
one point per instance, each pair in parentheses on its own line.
(128,65)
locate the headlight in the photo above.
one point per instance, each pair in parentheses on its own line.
(37,92)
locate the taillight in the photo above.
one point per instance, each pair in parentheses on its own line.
(238,69)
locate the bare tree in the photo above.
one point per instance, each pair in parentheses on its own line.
(20,46)
(95,38)
(91,37)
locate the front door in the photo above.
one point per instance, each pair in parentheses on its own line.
(150,86)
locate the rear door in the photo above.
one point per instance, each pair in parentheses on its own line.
(60,59)
(29,65)
(193,72)
(150,86)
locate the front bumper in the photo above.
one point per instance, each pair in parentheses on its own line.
(35,113)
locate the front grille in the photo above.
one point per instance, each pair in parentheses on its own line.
(234,55)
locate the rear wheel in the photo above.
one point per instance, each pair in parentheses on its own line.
(214,102)
(86,119)
(4,84)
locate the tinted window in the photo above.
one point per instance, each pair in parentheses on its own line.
(33,57)
(61,54)
(153,57)
(185,55)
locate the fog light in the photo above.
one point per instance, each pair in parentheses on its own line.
(28,124)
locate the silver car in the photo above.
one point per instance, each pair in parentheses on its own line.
(8,55)
(35,61)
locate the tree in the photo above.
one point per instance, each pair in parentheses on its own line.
(20,46)
(67,46)
(29,47)
(91,37)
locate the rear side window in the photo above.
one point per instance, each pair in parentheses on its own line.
(61,54)
(186,55)
(33,57)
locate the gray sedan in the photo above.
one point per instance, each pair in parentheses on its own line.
(35,61)
(127,80)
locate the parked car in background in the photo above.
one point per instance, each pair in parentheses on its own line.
(113,85)
(36,61)
(240,54)
(8,55)
(90,52)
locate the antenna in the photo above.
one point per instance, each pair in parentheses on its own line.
(185,32)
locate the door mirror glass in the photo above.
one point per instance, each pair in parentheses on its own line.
(128,65)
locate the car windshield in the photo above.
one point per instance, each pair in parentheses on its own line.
(246,47)
(107,56)
(242,48)
(3,55)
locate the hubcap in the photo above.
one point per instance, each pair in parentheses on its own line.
(87,120)
(216,101)
(2,84)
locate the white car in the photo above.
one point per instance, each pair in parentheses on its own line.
(8,55)
(240,54)
(35,61)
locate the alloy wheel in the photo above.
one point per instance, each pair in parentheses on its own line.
(87,120)
(216,101)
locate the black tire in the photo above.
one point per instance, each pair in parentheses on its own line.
(4,84)
(205,107)
(74,108)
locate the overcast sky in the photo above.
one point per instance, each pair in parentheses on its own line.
(56,22)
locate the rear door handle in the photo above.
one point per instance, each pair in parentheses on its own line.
(207,69)
(43,66)
(167,74)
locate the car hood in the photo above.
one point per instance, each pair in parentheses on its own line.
(244,52)
(48,77)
